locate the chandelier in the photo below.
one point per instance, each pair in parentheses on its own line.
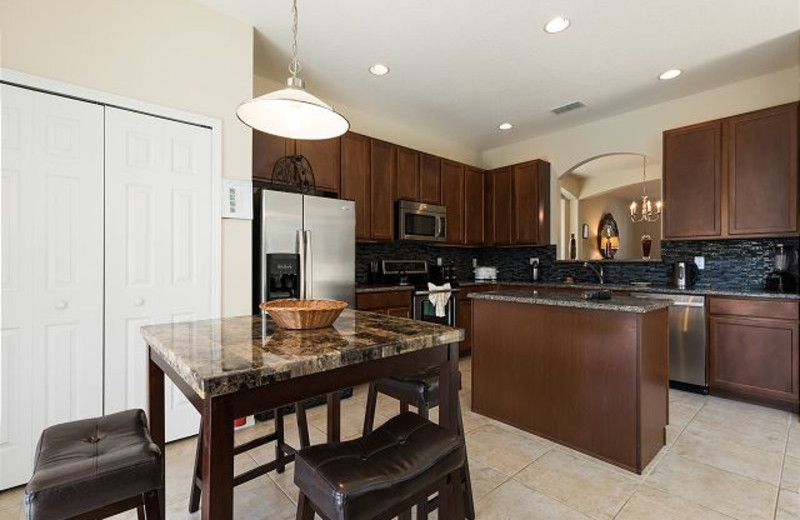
(645,212)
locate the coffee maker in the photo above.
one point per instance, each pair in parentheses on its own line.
(780,279)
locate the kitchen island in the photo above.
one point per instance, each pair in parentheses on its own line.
(592,375)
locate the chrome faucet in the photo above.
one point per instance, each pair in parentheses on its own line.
(598,272)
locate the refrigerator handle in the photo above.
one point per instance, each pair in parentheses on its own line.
(309,265)
(300,245)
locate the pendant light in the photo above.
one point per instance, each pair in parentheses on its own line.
(646,213)
(292,112)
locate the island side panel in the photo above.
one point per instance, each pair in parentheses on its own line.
(566,374)
(654,383)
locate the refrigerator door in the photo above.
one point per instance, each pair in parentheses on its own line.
(330,233)
(281,229)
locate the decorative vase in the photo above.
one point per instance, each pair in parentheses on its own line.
(647,244)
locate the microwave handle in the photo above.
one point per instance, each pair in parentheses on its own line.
(438,227)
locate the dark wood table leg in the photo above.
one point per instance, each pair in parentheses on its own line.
(448,418)
(155,403)
(334,417)
(217,495)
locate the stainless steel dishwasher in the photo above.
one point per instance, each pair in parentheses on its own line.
(687,340)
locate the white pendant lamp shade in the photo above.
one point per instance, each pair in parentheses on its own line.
(293,113)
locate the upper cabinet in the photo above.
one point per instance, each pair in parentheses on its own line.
(762,171)
(267,149)
(430,179)
(474,202)
(501,207)
(531,188)
(383,172)
(733,178)
(452,175)
(407,174)
(356,179)
(325,159)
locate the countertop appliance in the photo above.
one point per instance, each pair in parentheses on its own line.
(303,247)
(485,274)
(684,274)
(687,340)
(421,222)
(780,279)
(418,274)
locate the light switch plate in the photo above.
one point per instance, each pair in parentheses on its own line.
(700,261)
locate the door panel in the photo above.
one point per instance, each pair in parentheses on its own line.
(52,272)
(383,171)
(356,179)
(158,248)
(331,228)
(501,206)
(453,200)
(430,179)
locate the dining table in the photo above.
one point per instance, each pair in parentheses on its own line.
(239,366)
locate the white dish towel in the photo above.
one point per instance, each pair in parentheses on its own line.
(439,296)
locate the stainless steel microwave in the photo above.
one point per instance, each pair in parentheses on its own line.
(423,222)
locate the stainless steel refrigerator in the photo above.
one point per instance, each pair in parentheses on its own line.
(303,243)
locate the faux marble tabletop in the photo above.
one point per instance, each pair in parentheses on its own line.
(573,300)
(225,355)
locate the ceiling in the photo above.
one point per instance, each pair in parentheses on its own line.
(458,68)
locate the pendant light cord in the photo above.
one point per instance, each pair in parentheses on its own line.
(294,66)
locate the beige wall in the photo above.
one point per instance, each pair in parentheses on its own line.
(379,127)
(176,53)
(640,131)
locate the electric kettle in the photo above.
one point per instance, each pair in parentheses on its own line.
(684,274)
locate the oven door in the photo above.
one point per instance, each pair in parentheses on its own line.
(425,310)
(416,224)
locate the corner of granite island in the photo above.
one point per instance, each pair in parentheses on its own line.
(592,375)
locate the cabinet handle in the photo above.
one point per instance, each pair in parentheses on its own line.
(61,305)
(138,302)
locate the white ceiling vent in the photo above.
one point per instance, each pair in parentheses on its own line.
(569,107)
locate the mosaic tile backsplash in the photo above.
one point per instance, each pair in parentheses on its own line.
(729,264)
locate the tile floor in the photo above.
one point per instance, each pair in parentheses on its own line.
(723,460)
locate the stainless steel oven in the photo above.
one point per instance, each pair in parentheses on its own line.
(424,310)
(422,222)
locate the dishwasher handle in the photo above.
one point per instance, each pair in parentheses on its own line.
(688,304)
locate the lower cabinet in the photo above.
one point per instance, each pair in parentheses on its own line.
(392,303)
(753,351)
(465,322)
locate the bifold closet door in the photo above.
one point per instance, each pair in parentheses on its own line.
(51,351)
(158,249)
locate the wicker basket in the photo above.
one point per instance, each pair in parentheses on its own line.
(304,314)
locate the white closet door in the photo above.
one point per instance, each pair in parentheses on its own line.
(51,353)
(158,248)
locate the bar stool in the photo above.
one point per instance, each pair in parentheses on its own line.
(422,392)
(97,468)
(381,475)
(284,453)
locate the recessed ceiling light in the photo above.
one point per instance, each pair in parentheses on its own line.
(670,74)
(379,69)
(556,25)
(506,126)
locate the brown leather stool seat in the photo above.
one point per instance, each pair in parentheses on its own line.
(104,465)
(380,475)
(420,390)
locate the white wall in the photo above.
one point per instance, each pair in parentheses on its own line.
(175,53)
(379,127)
(640,131)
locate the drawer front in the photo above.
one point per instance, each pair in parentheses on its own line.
(383,300)
(779,310)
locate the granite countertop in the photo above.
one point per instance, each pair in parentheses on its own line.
(365,289)
(744,292)
(221,356)
(561,299)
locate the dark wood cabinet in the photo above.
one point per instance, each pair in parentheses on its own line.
(325,159)
(392,303)
(267,149)
(382,174)
(453,200)
(755,358)
(762,171)
(692,181)
(407,174)
(531,203)
(464,321)
(430,179)
(356,179)
(474,202)
(733,178)
(501,206)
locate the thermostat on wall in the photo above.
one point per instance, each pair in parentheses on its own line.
(237,199)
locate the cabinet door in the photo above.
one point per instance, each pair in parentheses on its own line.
(382,175)
(399,312)
(465,322)
(754,357)
(525,223)
(325,159)
(501,206)
(430,179)
(407,174)
(762,171)
(692,181)
(473,206)
(356,179)
(453,200)
(267,149)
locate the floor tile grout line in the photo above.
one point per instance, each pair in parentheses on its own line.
(783,464)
